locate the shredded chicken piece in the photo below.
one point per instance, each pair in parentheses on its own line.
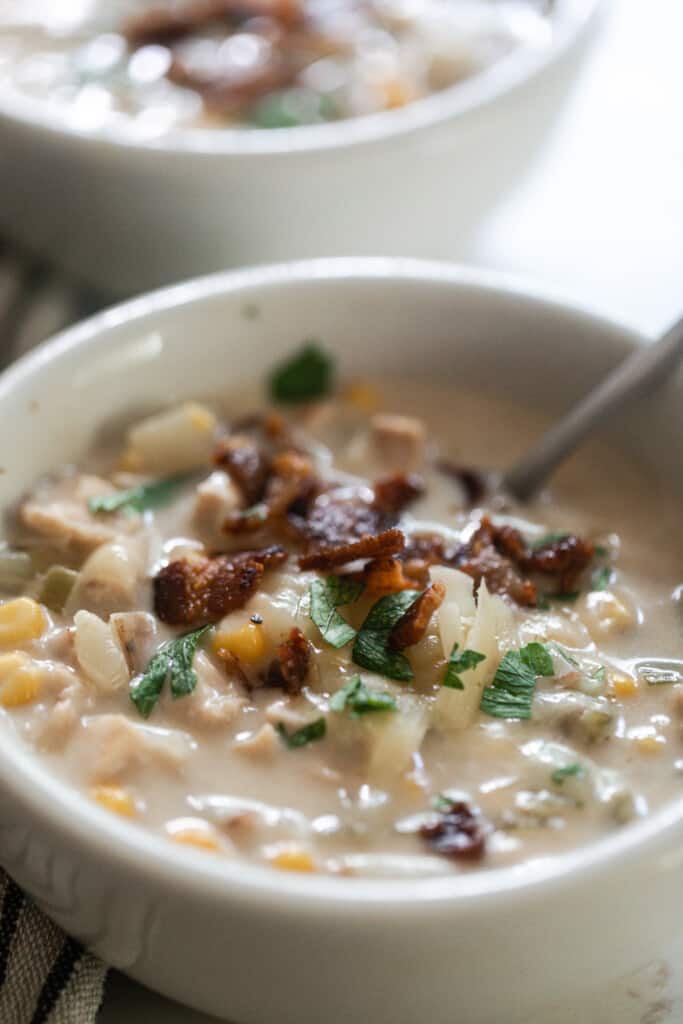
(190,593)
(398,440)
(412,626)
(60,514)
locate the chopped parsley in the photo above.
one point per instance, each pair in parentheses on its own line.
(302,737)
(371,649)
(326,596)
(360,699)
(548,538)
(599,674)
(460,662)
(511,693)
(303,378)
(601,578)
(566,772)
(139,499)
(173,659)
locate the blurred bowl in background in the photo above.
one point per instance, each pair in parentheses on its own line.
(126,214)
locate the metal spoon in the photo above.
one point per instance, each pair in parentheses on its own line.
(646,369)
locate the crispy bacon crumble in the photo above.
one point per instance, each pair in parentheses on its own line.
(190,593)
(290,667)
(410,629)
(456,833)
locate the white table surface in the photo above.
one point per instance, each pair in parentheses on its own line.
(593,208)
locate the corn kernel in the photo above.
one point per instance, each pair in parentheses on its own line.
(291,857)
(193,832)
(21,620)
(650,744)
(621,685)
(396,93)
(115,799)
(647,739)
(248,643)
(363,396)
(19,680)
(200,418)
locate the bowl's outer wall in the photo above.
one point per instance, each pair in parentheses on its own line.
(125,219)
(257,958)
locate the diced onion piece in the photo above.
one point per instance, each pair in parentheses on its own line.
(458,605)
(394,738)
(99,654)
(173,441)
(492,631)
(108,580)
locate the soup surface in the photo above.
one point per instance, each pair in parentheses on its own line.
(307,635)
(149,67)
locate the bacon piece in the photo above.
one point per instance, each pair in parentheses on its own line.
(290,487)
(166,25)
(456,833)
(396,492)
(247,464)
(472,481)
(482,559)
(188,593)
(567,557)
(412,626)
(385,576)
(386,543)
(290,668)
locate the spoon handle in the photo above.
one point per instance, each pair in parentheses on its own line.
(634,378)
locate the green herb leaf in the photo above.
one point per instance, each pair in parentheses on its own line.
(443,803)
(304,377)
(458,663)
(371,649)
(601,551)
(601,578)
(537,657)
(360,699)
(566,772)
(599,674)
(173,659)
(511,693)
(548,538)
(326,596)
(302,737)
(138,499)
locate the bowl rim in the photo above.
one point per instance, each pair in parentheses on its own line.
(474,94)
(57,808)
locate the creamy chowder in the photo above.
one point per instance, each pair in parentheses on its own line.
(303,633)
(149,66)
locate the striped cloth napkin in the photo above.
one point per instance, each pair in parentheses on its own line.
(46,977)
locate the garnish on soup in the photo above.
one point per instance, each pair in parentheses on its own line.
(305,625)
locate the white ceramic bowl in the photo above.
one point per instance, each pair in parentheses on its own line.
(242,941)
(126,216)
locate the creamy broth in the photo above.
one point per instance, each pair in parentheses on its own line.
(273,63)
(433,782)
